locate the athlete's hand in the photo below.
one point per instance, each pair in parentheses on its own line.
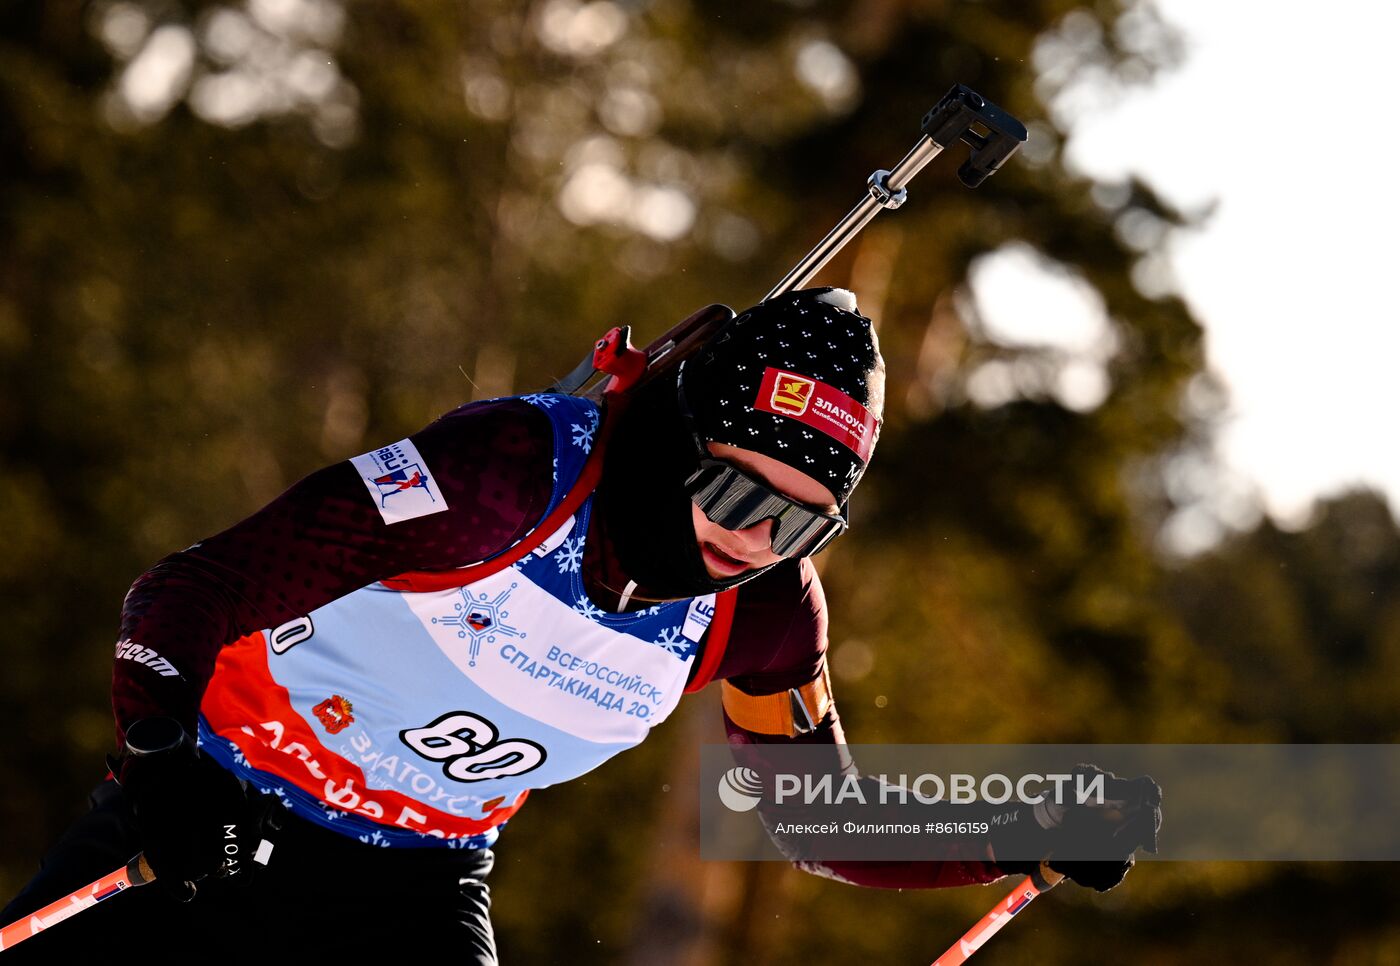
(1093,844)
(194,816)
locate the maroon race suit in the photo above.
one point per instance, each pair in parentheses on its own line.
(324,537)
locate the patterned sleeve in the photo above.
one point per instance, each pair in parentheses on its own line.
(779,641)
(483,478)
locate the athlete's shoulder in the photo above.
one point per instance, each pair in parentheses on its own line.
(779,636)
(507,436)
(792,584)
(519,418)
(463,487)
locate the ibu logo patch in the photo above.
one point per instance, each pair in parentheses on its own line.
(397,477)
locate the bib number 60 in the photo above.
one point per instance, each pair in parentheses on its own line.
(471,749)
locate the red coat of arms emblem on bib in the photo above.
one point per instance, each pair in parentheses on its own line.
(334,714)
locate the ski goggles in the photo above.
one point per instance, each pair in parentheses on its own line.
(732,499)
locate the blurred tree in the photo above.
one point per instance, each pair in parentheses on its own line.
(1306,625)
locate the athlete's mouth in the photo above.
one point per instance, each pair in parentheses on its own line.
(721,561)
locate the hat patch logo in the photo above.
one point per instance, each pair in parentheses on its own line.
(820,407)
(791,394)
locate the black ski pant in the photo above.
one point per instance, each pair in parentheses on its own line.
(321,894)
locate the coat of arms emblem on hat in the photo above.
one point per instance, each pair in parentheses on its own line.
(791,394)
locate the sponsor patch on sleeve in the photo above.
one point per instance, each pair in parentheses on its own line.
(398,479)
(823,407)
(129,650)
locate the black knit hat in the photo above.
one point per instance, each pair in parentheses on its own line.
(798,378)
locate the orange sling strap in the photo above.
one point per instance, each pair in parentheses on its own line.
(796,711)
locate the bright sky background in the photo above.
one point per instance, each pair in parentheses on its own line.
(1284,114)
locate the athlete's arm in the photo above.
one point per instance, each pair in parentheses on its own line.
(787,606)
(489,466)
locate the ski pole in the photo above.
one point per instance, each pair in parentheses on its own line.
(1038,882)
(136,873)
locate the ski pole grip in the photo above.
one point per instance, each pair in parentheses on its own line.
(965,115)
(139,871)
(1045,878)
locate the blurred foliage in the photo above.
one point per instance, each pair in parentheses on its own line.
(238,242)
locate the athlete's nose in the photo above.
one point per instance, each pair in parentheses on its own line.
(755,538)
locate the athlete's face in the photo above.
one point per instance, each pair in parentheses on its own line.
(728,553)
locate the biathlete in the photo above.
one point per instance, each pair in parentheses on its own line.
(380,665)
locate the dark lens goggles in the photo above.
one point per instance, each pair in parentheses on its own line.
(734,500)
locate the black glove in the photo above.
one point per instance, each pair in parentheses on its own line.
(194,817)
(1093,844)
